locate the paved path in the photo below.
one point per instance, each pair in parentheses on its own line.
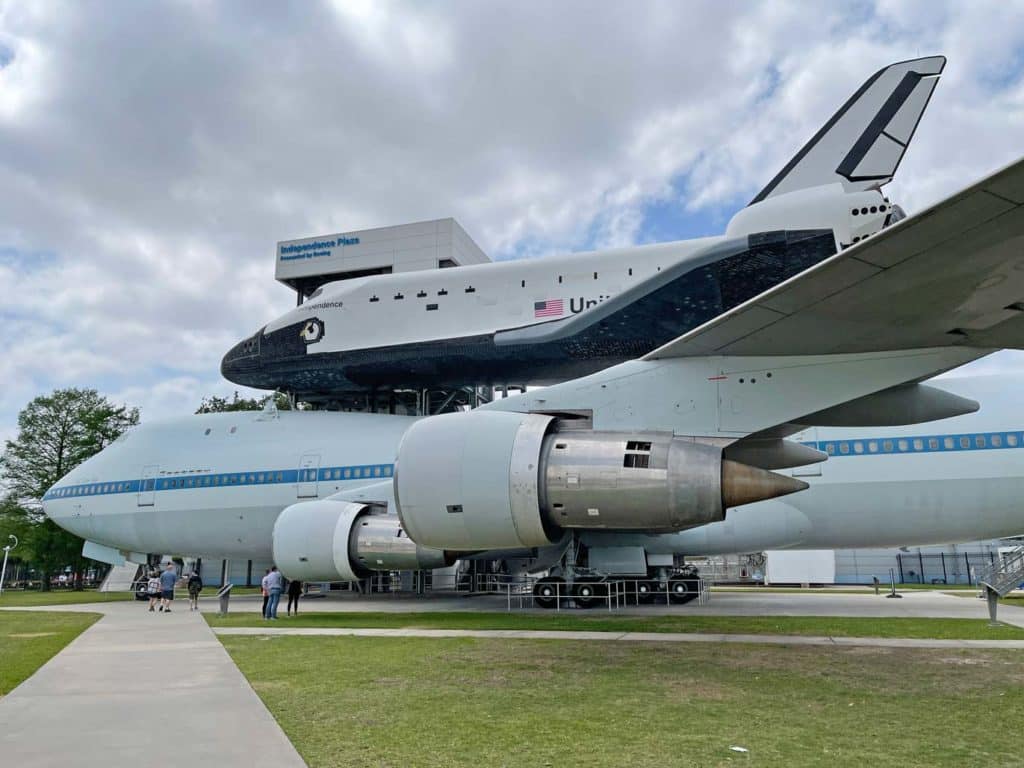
(140,688)
(633,637)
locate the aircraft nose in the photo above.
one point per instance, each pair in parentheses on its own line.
(242,360)
(261,360)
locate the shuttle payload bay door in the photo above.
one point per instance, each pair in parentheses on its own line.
(309,469)
(147,485)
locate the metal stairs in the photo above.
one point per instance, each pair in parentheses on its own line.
(1004,575)
(120,578)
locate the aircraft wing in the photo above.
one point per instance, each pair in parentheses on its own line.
(950,275)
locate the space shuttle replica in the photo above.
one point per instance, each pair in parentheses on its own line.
(728,394)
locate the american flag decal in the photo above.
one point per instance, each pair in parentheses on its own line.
(549,308)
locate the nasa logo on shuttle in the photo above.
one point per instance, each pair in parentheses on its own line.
(312,331)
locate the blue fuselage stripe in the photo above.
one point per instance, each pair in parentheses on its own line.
(184,481)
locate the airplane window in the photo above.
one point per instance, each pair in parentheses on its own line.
(918,445)
(348,473)
(948,444)
(252,478)
(630,271)
(933,444)
(233,430)
(559,278)
(280,476)
(979,441)
(399,296)
(873,446)
(376,471)
(442,292)
(421,294)
(1011,440)
(471,289)
(844,447)
(190,482)
(207,431)
(373,299)
(595,275)
(387,471)
(997,441)
(887,446)
(965,442)
(830,449)
(858,447)
(903,445)
(522,283)
(317,292)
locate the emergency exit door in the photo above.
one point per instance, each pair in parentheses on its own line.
(309,470)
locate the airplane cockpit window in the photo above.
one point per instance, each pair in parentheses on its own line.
(317,292)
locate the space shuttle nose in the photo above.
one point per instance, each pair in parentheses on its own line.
(744,484)
(242,360)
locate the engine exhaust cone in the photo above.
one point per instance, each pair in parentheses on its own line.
(744,484)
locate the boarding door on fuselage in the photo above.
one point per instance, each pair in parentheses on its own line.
(309,469)
(808,437)
(147,485)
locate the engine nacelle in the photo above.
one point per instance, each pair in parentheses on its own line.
(852,216)
(330,540)
(495,480)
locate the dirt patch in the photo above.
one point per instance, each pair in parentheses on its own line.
(682,691)
(25,635)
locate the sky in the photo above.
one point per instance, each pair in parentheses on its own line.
(152,154)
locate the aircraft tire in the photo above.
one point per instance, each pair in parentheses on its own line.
(548,590)
(589,592)
(682,590)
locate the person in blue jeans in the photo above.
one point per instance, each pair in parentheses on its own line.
(273,583)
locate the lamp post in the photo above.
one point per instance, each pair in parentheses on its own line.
(7,551)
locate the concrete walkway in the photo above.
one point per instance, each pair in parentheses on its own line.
(632,637)
(140,688)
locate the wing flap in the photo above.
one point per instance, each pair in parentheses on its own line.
(950,275)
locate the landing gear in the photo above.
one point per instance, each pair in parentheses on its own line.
(548,591)
(647,591)
(682,590)
(589,591)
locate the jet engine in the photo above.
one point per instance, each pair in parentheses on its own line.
(329,540)
(494,480)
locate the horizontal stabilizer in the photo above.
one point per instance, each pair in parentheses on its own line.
(864,142)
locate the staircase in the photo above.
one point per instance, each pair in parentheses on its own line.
(120,578)
(996,580)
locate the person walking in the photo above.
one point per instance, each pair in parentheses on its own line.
(167,581)
(195,586)
(273,583)
(153,590)
(266,595)
(294,592)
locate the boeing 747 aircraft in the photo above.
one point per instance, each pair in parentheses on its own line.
(812,390)
(548,320)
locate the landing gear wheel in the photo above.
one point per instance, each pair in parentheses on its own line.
(588,592)
(646,591)
(682,590)
(548,591)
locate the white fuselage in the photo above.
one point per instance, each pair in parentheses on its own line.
(215,484)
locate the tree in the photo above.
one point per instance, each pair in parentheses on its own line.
(56,433)
(214,404)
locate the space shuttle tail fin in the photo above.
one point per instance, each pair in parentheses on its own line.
(862,145)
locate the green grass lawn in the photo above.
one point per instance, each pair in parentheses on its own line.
(28,639)
(602,622)
(19,599)
(469,702)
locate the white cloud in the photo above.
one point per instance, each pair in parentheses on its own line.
(154,153)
